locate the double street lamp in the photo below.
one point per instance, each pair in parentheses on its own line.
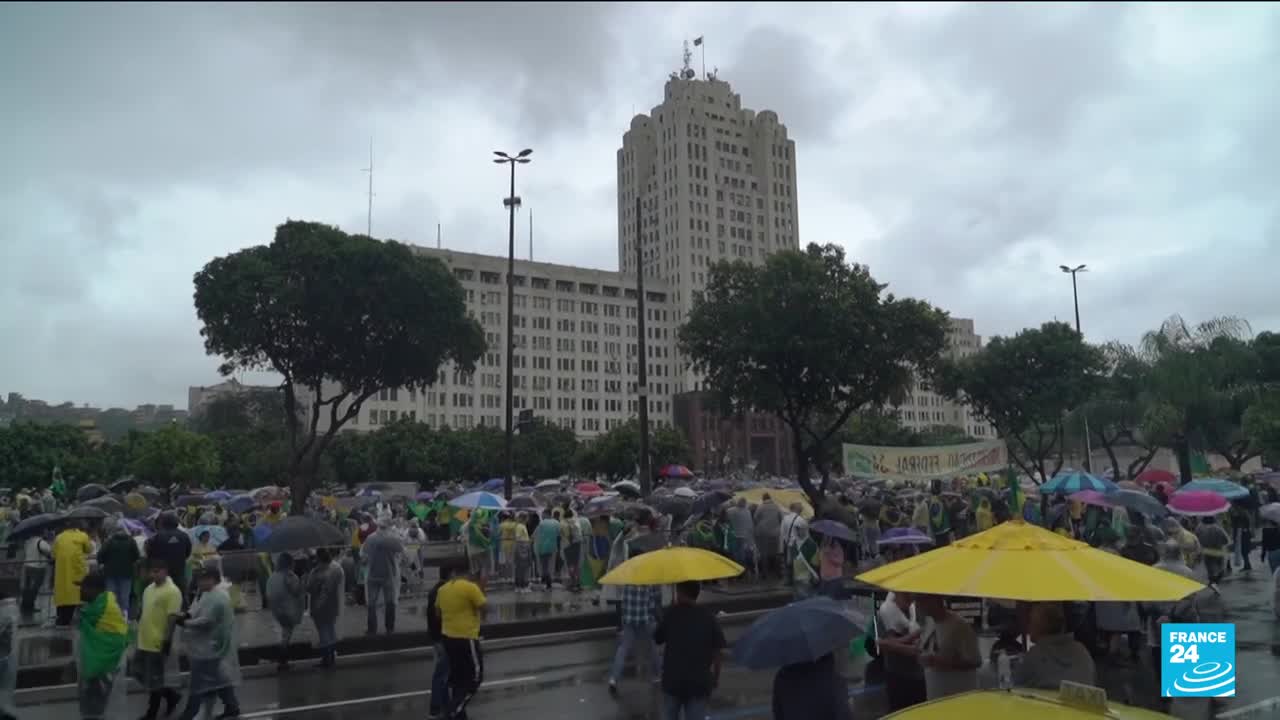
(512,201)
(1075,296)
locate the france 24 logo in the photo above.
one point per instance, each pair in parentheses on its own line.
(1198,660)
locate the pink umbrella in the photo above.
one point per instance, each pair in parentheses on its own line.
(1155,477)
(589,489)
(1198,502)
(1091,497)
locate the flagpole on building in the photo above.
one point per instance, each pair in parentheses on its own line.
(699,43)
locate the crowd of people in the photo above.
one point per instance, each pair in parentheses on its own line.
(180,575)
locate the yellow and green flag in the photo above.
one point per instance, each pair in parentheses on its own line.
(104,636)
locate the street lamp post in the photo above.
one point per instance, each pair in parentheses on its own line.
(1075,297)
(642,384)
(511,202)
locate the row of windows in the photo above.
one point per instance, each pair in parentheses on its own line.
(464,421)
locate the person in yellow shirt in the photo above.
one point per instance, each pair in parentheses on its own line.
(507,536)
(460,602)
(71,550)
(160,602)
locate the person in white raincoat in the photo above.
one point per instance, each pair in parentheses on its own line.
(210,640)
(8,657)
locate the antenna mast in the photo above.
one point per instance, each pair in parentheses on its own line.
(437,236)
(368,228)
(530,234)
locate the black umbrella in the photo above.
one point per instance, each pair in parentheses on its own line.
(87,512)
(35,525)
(647,542)
(193,500)
(522,502)
(124,485)
(91,491)
(107,503)
(298,532)
(710,502)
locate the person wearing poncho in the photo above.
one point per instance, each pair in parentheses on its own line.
(104,637)
(71,551)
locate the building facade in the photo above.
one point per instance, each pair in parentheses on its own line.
(576,351)
(199,396)
(715,182)
(925,408)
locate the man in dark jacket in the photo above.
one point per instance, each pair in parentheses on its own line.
(118,559)
(173,547)
(435,630)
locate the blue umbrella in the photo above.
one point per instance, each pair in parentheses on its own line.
(217,533)
(800,632)
(1068,483)
(241,503)
(368,492)
(218,496)
(479,500)
(1218,486)
(1139,502)
(493,485)
(831,528)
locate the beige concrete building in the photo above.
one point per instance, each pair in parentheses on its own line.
(575,357)
(925,408)
(715,181)
(198,396)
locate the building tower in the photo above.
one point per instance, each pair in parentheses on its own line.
(716,182)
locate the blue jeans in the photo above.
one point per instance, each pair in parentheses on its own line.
(375,590)
(693,708)
(122,588)
(440,679)
(631,633)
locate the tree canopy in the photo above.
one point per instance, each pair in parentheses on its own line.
(339,317)
(811,339)
(1204,379)
(615,455)
(1024,386)
(1117,413)
(176,455)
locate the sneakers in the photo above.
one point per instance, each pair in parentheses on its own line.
(613,687)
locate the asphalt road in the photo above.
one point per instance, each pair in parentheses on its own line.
(546,682)
(568,680)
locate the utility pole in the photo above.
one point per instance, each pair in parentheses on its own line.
(1075,297)
(512,201)
(368,227)
(642,388)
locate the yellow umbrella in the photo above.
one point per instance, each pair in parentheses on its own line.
(783,498)
(672,565)
(1018,561)
(1018,703)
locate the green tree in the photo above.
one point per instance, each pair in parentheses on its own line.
(176,455)
(352,458)
(615,455)
(29,452)
(941,435)
(250,432)
(1024,386)
(339,317)
(1203,379)
(1117,411)
(544,450)
(877,426)
(810,339)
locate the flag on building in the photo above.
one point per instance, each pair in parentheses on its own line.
(697,41)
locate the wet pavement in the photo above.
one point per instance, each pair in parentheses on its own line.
(568,680)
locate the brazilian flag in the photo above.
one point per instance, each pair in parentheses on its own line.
(104,636)
(1016,498)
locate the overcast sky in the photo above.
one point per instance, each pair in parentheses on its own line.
(964,152)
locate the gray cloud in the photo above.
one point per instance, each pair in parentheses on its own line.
(963,151)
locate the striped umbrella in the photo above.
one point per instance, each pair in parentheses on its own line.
(479,500)
(1225,488)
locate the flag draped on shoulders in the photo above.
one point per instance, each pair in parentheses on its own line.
(104,636)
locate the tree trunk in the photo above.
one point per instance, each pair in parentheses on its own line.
(802,470)
(1138,465)
(1111,455)
(1182,448)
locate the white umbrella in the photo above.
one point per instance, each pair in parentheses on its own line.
(546,484)
(685,492)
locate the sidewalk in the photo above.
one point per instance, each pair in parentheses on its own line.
(45,653)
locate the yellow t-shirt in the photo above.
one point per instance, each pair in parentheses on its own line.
(158,603)
(460,603)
